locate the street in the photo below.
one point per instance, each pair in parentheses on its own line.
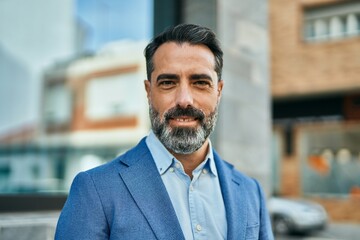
(334,231)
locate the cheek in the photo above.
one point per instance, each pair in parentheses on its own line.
(162,102)
(207,104)
(161,107)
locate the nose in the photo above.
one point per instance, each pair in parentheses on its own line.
(184,97)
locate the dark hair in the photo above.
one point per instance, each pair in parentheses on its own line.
(185,33)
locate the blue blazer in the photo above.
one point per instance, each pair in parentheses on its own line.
(126,199)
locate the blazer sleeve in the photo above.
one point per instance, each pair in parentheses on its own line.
(82,216)
(265,224)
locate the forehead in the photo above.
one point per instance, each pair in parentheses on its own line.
(172,53)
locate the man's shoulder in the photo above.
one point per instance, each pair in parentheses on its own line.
(122,160)
(236,175)
(227,166)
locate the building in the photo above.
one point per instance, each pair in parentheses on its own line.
(38,24)
(315,69)
(94,108)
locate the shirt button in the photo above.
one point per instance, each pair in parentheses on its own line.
(204,171)
(198,227)
(171,169)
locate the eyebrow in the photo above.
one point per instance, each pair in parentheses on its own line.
(167,76)
(200,76)
(170,76)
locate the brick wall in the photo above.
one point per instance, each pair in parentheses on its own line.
(290,176)
(341,210)
(299,68)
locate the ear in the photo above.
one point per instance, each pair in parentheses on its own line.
(220,87)
(147,85)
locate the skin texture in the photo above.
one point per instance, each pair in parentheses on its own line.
(184,75)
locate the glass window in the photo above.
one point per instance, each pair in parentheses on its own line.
(112,96)
(58,105)
(309,30)
(332,22)
(330,158)
(337,27)
(352,24)
(321,29)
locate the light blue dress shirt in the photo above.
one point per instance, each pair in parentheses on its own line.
(198,202)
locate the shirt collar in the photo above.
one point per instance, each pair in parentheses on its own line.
(164,159)
(210,164)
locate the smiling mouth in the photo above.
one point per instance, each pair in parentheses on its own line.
(184,117)
(184,120)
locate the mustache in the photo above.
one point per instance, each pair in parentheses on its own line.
(189,111)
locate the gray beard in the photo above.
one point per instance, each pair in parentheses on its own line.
(182,140)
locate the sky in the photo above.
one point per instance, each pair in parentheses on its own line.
(111,20)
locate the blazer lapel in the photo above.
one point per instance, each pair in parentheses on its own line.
(234,196)
(146,187)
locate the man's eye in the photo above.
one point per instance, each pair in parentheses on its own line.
(166,84)
(202,83)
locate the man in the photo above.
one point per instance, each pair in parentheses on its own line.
(172,185)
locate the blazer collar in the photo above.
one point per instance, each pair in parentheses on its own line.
(146,187)
(233,191)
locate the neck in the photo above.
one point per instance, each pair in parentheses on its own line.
(192,160)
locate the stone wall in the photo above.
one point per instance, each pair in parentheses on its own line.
(242,136)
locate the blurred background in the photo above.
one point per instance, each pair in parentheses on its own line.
(72,98)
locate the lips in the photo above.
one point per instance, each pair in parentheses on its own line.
(184,115)
(184,119)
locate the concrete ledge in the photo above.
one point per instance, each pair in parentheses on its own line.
(28,226)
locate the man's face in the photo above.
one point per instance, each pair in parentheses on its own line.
(183,96)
